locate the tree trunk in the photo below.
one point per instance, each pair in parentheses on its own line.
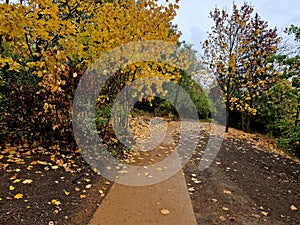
(227,117)
(243,121)
(248,126)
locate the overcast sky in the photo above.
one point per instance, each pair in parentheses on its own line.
(194,23)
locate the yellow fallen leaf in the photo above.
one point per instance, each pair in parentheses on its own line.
(1,156)
(264,213)
(29,167)
(41,162)
(11,188)
(225,208)
(160,169)
(66,192)
(55,202)
(164,211)
(18,196)
(87,179)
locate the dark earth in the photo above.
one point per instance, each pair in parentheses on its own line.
(246,184)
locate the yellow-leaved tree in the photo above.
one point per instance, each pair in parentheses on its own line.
(45,47)
(237,51)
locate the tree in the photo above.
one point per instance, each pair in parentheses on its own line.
(282,107)
(50,44)
(237,51)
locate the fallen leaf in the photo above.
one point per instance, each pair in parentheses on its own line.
(264,213)
(88,186)
(222,218)
(66,192)
(294,208)
(11,188)
(18,196)
(195,180)
(225,208)
(29,167)
(27,181)
(227,192)
(82,196)
(191,189)
(164,211)
(101,193)
(55,202)
(87,179)
(256,216)
(13,177)
(77,189)
(160,169)
(214,200)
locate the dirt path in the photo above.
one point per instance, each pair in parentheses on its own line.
(164,203)
(145,205)
(244,185)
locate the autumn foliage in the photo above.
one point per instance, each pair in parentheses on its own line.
(47,45)
(237,52)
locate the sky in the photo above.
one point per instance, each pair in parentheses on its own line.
(193,21)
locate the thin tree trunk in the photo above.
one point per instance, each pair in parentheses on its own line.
(243,121)
(248,127)
(227,117)
(175,102)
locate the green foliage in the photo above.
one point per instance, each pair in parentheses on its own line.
(280,111)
